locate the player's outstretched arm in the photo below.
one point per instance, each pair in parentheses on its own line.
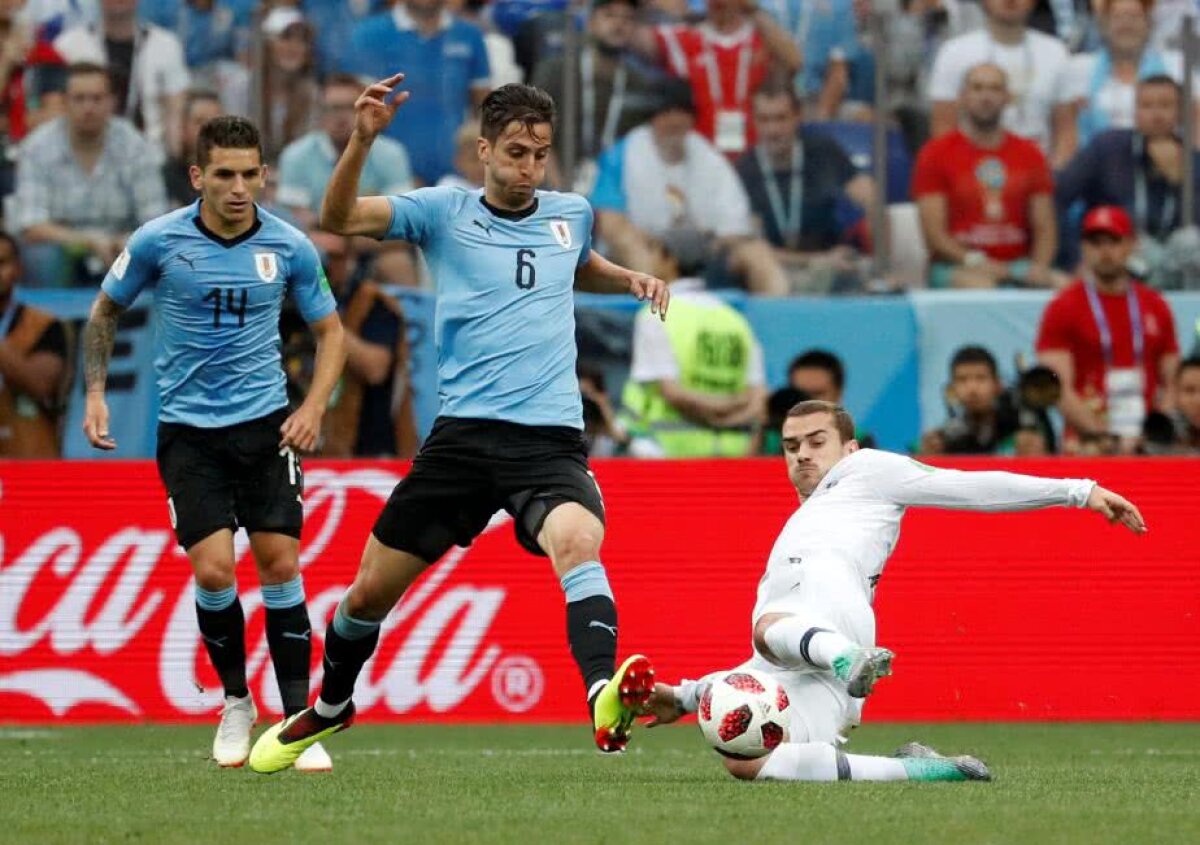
(98,336)
(1116,509)
(302,429)
(663,707)
(599,275)
(343,211)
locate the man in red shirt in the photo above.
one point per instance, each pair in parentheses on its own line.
(1110,338)
(985,196)
(725,59)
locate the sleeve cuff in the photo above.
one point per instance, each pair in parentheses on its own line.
(1078,491)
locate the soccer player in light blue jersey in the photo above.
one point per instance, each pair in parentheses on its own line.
(505,259)
(227,442)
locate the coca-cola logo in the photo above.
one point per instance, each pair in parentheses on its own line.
(81,606)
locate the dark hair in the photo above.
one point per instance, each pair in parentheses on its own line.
(341,79)
(88,69)
(842,421)
(973,355)
(674,95)
(820,359)
(776,86)
(11,240)
(514,102)
(229,132)
(1161,79)
(1192,362)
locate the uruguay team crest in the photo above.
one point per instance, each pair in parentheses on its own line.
(562,233)
(267,267)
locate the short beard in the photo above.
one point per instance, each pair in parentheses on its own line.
(985,125)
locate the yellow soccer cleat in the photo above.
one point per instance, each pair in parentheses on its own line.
(282,744)
(621,701)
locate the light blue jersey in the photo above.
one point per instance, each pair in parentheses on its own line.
(218,301)
(505,318)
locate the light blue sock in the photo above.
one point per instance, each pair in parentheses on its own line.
(216,600)
(349,628)
(285,595)
(584,581)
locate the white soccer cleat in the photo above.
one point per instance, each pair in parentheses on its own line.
(231,747)
(314,759)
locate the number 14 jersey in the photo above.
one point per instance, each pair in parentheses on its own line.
(505,315)
(218,300)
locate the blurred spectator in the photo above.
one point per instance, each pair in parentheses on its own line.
(334,22)
(199,107)
(664,176)
(1110,339)
(613,94)
(1140,170)
(725,59)
(146,65)
(1066,20)
(838,68)
(985,197)
(48,18)
(502,60)
(984,417)
(1039,107)
(371,414)
(83,184)
(536,28)
(210,33)
(696,383)
(799,183)
(447,67)
(1167,28)
(468,169)
(32,76)
(819,374)
(33,368)
(1187,402)
(1102,83)
(289,84)
(603,432)
(307,163)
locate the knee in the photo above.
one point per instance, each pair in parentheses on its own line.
(214,573)
(577,546)
(761,626)
(743,769)
(278,569)
(362,601)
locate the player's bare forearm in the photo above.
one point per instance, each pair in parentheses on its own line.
(330,358)
(341,194)
(98,337)
(599,275)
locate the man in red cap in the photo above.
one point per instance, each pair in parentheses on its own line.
(1110,338)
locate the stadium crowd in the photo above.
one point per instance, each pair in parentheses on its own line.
(723,144)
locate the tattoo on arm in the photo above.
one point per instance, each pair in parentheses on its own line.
(98,337)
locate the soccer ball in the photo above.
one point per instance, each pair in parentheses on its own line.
(744,714)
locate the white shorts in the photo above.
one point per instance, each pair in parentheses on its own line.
(827,593)
(820,708)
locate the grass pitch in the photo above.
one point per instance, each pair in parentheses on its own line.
(425,784)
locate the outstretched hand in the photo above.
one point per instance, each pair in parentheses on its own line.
(645,287)
(661,706)
(1116,509)
(373,111)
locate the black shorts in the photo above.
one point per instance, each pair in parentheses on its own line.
(229,477)
(469,469)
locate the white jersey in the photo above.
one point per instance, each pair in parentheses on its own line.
(854,514)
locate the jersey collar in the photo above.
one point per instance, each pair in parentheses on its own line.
(505,214)
(227,242)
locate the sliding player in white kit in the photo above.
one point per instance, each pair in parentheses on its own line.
(813,625)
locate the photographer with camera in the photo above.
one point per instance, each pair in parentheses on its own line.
(1111,340)
(988,419)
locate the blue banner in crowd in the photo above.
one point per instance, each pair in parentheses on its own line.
(896,352)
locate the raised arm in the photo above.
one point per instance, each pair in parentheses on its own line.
(910,483)
(98,336)
(343,211)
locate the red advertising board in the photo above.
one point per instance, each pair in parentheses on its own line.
(1046,615)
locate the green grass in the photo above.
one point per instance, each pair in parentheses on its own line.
(1054,783)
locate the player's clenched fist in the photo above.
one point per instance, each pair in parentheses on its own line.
(301,430)
(373,111)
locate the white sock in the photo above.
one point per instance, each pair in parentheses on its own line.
(329,711)
(233,699)
(819,761)
(795,642)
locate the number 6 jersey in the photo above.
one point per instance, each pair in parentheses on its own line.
(505,316)
(218,302)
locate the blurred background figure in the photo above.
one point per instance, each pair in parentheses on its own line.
(697,382)
(605,435)
(468,169)
(1111,341)
(819,374)
(1187,406)
(288,85)
(200,106)
(33,368)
